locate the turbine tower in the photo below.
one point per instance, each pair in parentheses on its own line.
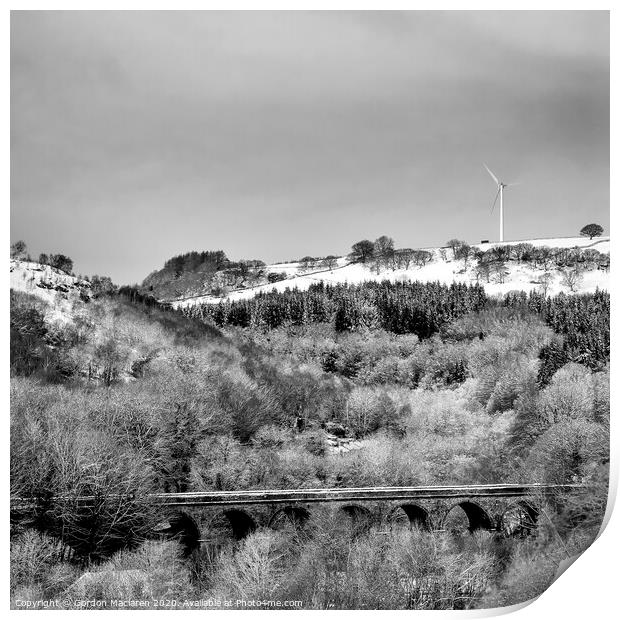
(500,192)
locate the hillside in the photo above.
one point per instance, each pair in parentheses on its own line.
(524,275)
(58,289)
(200,273)
(126,398)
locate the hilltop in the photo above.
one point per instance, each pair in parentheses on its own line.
(546,267)
(199,273)
(58,289)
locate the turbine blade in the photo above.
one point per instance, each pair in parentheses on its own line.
(513,184)
(495,201)
(492,175)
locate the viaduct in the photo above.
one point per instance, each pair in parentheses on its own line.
(214,516)
(506,509)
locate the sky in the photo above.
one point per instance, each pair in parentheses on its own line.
(136,136)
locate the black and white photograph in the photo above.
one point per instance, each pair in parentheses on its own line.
(309,309)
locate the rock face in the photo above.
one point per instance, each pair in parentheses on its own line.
(339,445)
(335,429)
(48,283)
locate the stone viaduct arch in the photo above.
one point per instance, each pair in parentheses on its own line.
(478,518)
(296,516)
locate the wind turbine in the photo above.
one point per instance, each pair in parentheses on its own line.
(500,192)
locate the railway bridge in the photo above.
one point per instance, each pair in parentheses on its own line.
(506,509)
(213,517)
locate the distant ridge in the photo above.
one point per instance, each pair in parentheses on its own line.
(519,276)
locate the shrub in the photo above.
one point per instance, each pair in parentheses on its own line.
(18,249)
(446,365)
(532,569)
(515,379)
(314,442)
(572,278)
(388,570)
(552,357)
(384,460)
(568,451)
(275,276)
(61,453)
(271,437)
(38,561)
(29,349)
(385,370)
(257,570)
(62,262)
(153,571)
(369,409)
(570,394)
(246,405)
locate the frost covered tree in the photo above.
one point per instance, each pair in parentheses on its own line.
(329,262)
(571,278)
(545,281)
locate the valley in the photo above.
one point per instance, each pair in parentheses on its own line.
(361,376)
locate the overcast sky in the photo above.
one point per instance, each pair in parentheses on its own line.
(273,135)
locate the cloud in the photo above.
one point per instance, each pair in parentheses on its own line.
(225,129)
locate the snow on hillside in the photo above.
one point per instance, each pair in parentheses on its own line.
(599,243)
(520,276)
(58,289)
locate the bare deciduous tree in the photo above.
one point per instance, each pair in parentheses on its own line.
(329,262)
(454,245)
(422,257)
(571,278)
(545,281)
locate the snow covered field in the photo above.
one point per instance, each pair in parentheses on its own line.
(520,277)
(598,243)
